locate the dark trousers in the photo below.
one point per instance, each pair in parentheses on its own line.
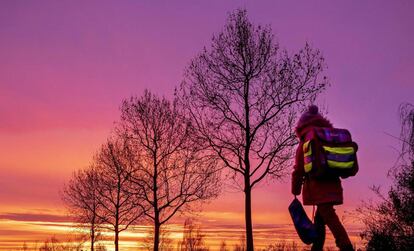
(325,215)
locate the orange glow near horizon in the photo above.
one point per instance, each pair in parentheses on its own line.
(36,226)
(35,233)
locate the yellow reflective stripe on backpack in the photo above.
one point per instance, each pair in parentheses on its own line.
(340,150)
(308,167)
(307,152)
(336,164)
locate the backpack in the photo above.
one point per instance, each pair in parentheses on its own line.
(329,152)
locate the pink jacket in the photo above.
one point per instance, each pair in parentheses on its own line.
(314,191)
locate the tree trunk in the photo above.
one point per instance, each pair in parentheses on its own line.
(117,214)
(155,205)
(92,233)
(156,236)
(116,239)
(92,238)
(248,218)
(247,186)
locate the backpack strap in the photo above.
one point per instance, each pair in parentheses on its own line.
(313,213)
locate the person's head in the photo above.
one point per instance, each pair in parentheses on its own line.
(312,112)
(311,117)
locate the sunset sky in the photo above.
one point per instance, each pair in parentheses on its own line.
(65,67)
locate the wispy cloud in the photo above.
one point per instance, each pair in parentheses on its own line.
(34,217)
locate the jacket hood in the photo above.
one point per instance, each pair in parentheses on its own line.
(315,120)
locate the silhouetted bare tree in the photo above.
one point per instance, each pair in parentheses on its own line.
(25,247)
(242,244)
(223,246)
(193,238)
(407,131)
(119,208)
(172,169)
(243,94)
(81,198)
(389,224)
(286,246)
(165,240)
(70,243)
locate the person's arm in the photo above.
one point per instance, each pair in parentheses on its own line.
(298,171)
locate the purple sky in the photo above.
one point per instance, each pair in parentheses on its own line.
(65,66)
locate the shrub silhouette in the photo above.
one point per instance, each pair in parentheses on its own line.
(390,223)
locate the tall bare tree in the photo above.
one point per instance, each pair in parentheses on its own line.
(119,207)
(243,94)
(81,198)
(172,169)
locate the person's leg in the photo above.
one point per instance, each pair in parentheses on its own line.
(320,228)
(327,212)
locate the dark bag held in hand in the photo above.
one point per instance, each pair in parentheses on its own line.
(303,225)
